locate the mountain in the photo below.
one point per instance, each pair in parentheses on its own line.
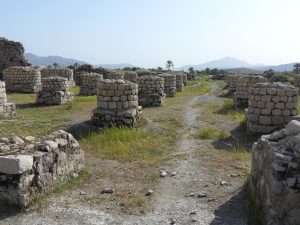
(49,60)
(223,63)
(237,65)
(114,66)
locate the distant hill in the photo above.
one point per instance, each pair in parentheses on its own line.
(114,66)
(237,65)
(244,70)
(49,60)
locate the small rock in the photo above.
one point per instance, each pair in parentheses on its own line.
(149,192)
(210,199)
(163,173)
(107,191)
(16,140)
(235,175)
(202,195)
(82,193)
(29,139)
(191,194)
(194,220)
(75,175)
(193,212)
(172,221)
(4,148)
(173,174)
(222,183)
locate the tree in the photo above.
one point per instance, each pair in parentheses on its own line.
(297,68)
(269,73)
(49,66)
(169,65)
(55,65)
(207,71)
(159,69)
(76,65)
(192,70)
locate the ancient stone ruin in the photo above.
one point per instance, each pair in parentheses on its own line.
(231,82)
(54,91)
(179,82)
(116,75)
(275,175)
(243,84)
(11,54)
(184,79)
(59,72)
(271,106)
(89,83)
(143,72)
(22,79)
(29,167)
(6,108)
(151,90)
(117,103)
(131,76)
(78,77)
(169,83)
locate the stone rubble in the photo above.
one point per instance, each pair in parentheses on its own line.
(89,83)
(271,106)
(243,84)
(150,90)
(22,79)
(11,54)
(169,84)
(28,170)
(275,175)
(117,103)
(54,91)
(6,108)
(59,72)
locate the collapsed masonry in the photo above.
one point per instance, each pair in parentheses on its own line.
(89,83)
(60,72)
(6,108)
(29,167)
(271,106)
(54,91)
(150,91)
(22,79)
(275,175)
(243,84)
(11,54)
(117,103)
(169,84)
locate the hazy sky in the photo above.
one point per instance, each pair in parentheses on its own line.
(149,32)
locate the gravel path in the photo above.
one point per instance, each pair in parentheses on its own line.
(176,199)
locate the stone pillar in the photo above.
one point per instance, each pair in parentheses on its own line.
(185,79)
(275,175)
(54,91)
(6,109)
(131,76)
(60,72)
(169,83)
(271,106)
(89,83)
(117,103)
(22,79)
(151,90)
(179,82)
(243,84)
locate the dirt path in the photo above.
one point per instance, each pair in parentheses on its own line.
(178,199)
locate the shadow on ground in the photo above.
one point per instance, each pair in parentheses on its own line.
(83,129)
(230,212)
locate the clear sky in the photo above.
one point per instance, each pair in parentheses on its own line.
(149,32)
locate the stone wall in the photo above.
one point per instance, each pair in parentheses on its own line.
(143,72)
(275,175)
(131,76)
(179,82)
(243,84)
(296,81)
(169,83)
(271,106)
(184,79)
(11,54)
(89,83)
(151,90)
(29,167)
(115,75)
(61,72)
(22,79)
(54,91)
(78,77)
(231,82)
(6,109)
(117,103)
